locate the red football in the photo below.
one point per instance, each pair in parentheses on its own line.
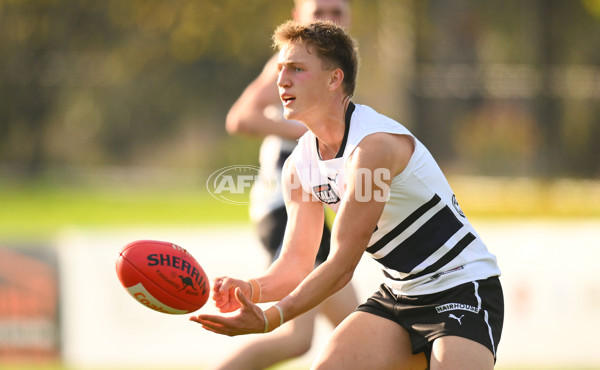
(163,276)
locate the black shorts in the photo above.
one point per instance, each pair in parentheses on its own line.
(473,310)
(271,229)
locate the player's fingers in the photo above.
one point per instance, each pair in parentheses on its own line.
(219,303)
(224,294)
(228,307)
(219,325)
(224,285)
(228,302)
(217,284)
(231,296)
(209,325)
(194,319)
(225,302)
(221,289)
(248,308)
(220,298)
(211,320)
(227,284)
(244,301)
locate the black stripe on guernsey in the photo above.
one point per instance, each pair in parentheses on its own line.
(424,242)
(452,254)
(283,155)
(404,224)
(347,119)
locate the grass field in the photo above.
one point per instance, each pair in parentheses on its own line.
(37,211)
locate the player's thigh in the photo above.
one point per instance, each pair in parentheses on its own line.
(452,352)
(367,341)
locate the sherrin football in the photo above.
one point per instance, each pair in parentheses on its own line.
(163,276)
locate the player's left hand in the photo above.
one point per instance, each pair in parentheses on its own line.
(247,320)
(224,293)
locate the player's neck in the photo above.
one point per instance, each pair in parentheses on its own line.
(330,130)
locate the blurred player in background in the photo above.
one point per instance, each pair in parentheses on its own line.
(258,112)
(440,299)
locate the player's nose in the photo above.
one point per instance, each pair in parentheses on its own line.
(283,79)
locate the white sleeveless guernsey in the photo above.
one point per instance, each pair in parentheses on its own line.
(423,241)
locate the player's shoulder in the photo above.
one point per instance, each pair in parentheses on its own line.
(385,140)
(374,145)
(383,150)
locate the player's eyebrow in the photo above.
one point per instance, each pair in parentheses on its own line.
(291,64)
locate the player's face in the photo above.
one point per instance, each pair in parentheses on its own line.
(337,11)
(302,82)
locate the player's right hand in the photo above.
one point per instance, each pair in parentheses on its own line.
(224,293)
(249,319)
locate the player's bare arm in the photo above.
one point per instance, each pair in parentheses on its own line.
(301,240)
(247,115)
(355,221)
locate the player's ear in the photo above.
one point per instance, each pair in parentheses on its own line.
(336,77)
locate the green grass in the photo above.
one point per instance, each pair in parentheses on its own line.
(35,212)
(38,211)
(484,197)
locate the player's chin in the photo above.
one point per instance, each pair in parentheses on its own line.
(288,113)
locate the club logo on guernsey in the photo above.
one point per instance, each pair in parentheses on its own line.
(456,306)
(456,206)
(326,194)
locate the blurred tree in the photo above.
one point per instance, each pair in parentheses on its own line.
(88,82)
(149,82)
(537,57)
